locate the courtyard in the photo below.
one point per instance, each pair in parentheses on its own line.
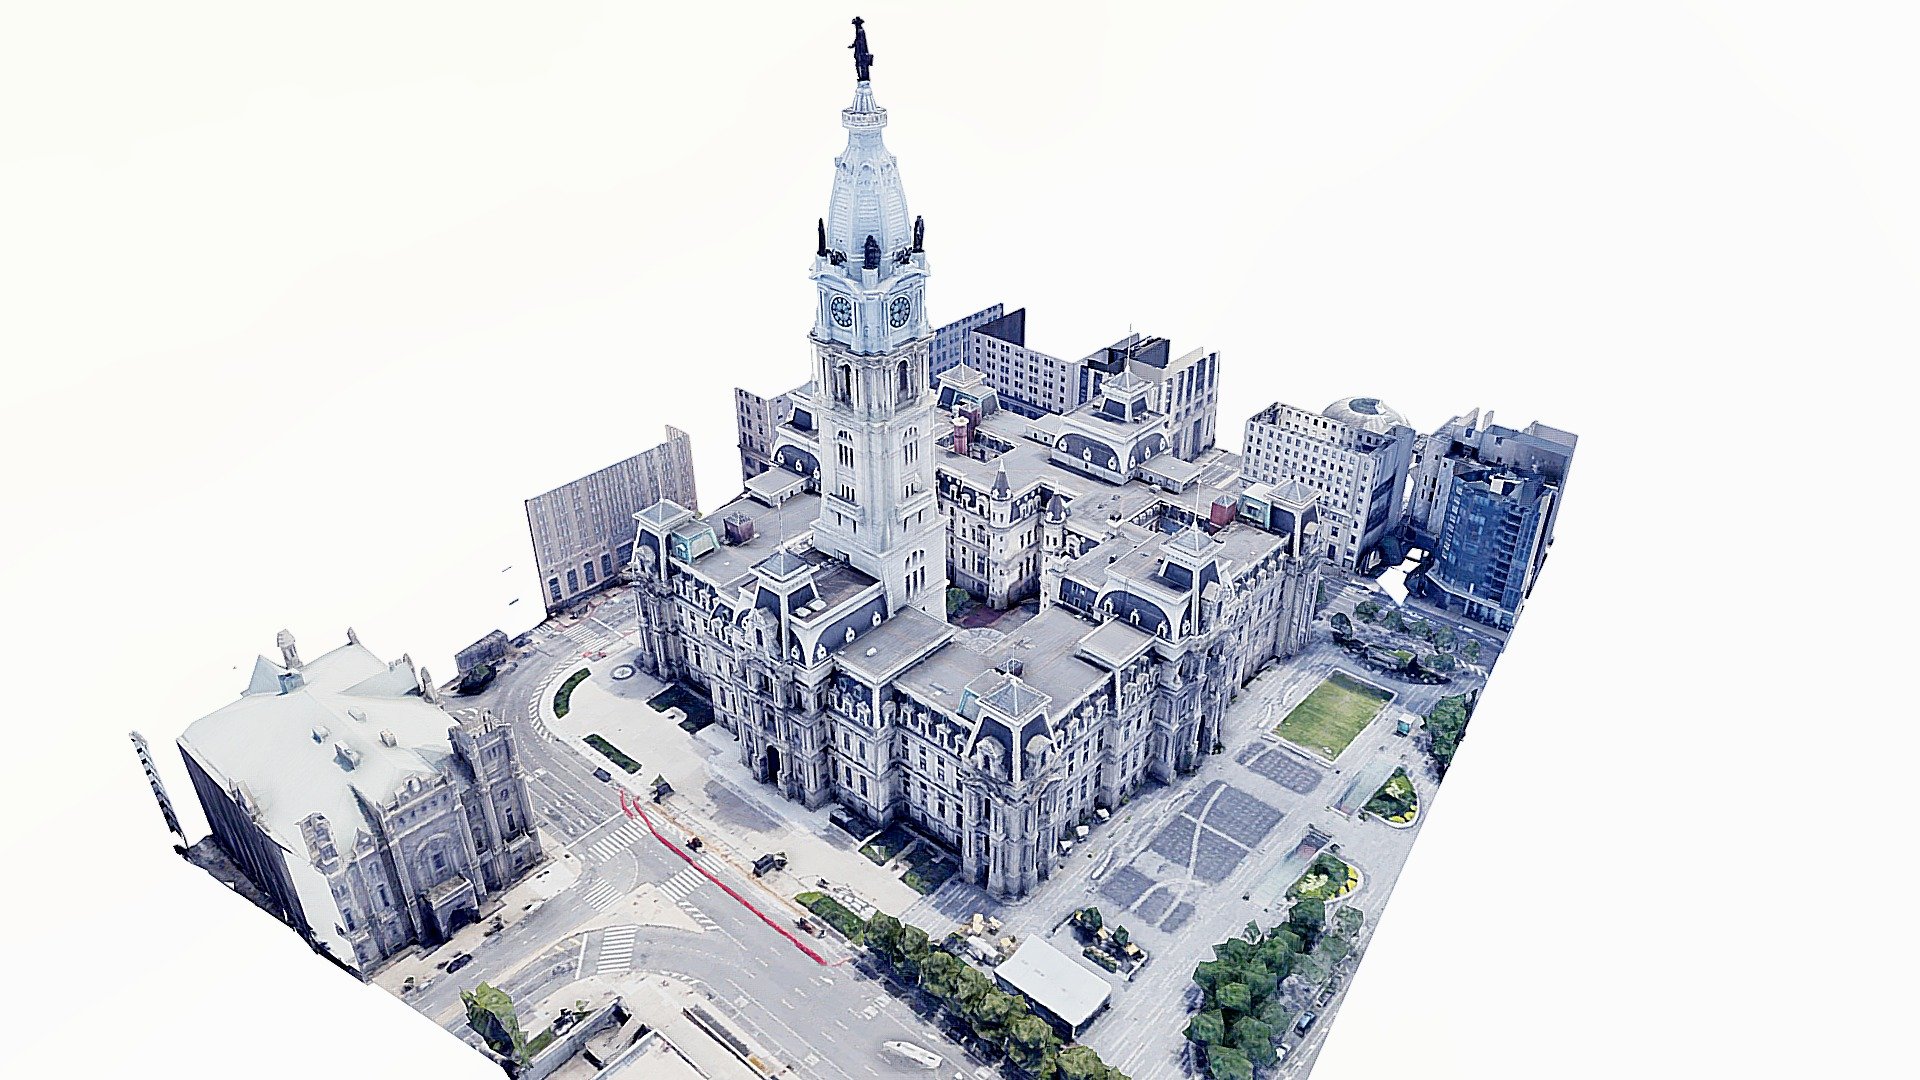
(1334,714)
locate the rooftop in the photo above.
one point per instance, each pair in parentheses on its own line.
(1049,978)
(310,748)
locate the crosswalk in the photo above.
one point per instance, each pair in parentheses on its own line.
(616,841)
(616,950)
(698,916)
(601,896)
(682,884)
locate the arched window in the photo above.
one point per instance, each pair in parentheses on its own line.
(905,387)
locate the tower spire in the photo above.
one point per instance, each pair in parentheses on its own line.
(862,59)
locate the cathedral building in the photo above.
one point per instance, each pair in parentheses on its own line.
(813,609)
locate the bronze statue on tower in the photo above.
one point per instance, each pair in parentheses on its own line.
(862,59)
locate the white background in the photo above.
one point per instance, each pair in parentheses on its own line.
(301,301)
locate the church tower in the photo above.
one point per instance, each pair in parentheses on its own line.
(872,349)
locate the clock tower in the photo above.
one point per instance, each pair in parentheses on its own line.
(872,350)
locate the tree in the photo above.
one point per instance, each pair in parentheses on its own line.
(1227,1063)
(940,975)
(1252,1037)
(1471,650)
(1307,917)
(1030,1040)
(1082,1063)
(1342,626)
(1234,996)
(1366,609)
(1089,920)
(914,949)
(989,1019)
(1274,1013)
(1350,919)
(1443,635)
(1439,662)
(490,1012)
(1207,1027)
(1121,936)
(1392,620)
(883,934)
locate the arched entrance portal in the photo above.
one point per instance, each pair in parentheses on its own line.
(773,765)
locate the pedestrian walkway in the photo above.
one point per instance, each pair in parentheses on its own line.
(601,896)
(616,842)
(698,916)
(616,951)
(683,884)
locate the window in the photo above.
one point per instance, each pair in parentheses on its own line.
(573,581)
(553,587)
(591,577)
(606,565)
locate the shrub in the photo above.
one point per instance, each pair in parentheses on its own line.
(613,753)
(563,698)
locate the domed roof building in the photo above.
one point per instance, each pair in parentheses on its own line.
(1369,413)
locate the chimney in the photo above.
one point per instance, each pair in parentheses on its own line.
(962,435)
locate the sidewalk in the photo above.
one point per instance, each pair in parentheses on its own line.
(714,796)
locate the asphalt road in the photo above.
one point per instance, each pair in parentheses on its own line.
(827,1021)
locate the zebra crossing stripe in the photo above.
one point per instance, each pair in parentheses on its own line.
(616,949)
(602,895)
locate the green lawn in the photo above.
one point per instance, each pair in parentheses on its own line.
(1333,714)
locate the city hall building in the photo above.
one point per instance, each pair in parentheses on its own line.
(813,609)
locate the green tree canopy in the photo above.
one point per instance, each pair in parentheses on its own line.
(1207,1027)
(1252,1037)
(491,1013)
(1227,1063)
(1307,916)
(883,934)
(940,975)
(1234,996)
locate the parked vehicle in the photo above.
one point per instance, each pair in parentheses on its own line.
(1306,1020)
(603,776)
(459,961)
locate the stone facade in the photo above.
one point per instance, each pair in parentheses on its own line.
(582,531)
(811,611)
(372,819)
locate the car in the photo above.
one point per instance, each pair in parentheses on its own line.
(603,776)
(1306,1020)
(1280,1052)
(459,961)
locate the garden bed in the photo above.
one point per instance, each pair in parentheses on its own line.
(698,710)
(892,841)
(1396,802)
(928,868)
(613,753)
(563,698)
(1326,878)
(835,914)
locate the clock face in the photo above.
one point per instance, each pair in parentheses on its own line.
(899,310)
(842,309)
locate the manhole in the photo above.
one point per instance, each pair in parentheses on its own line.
(623,671)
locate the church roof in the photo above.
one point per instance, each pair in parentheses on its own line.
(321,746)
